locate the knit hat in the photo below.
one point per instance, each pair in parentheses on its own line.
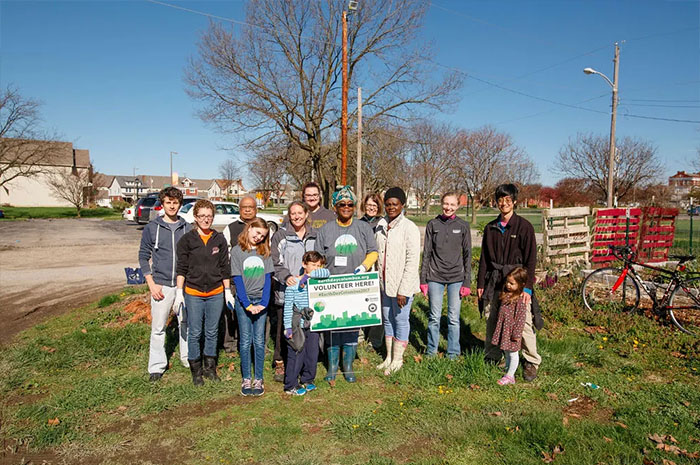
(344,193)
(395,193)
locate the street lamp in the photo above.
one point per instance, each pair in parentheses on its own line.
(171,167)
(352,6)
(613,117)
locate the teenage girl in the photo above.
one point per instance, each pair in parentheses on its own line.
(251,269)
(512,310)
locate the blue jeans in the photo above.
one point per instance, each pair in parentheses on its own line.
(395,318)
(251,330)
(435,293)
(203,315)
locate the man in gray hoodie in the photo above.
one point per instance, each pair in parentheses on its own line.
(157,262)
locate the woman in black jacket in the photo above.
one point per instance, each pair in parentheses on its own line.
(203,284)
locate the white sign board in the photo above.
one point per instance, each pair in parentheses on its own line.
(345,301)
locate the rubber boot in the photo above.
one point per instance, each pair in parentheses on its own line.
(397,357)
(209,369)
(333,353)
(196,369)
(348,358)
(387,361)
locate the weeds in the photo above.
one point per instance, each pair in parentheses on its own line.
(78,385)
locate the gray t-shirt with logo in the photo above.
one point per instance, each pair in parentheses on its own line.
(345,247)
(252,267)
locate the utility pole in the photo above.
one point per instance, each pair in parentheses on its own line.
(344,114)
(613,118)
(359,143)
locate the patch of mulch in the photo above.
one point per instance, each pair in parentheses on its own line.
(585,407)
(137,309)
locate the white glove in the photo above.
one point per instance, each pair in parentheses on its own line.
(360,269)
(228,296)
(179,304)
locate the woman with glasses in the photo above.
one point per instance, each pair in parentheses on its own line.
(508,242)
(203,285)
(371,206)
(349,247)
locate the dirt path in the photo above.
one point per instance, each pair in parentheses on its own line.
(50,266)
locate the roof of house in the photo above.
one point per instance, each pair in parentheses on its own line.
(45,153)
(683,174)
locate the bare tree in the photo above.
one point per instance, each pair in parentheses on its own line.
(281,75)
(385,160)
(24,148)
(486,158)
(267,173)
(431,154)
(73,186)
(228,171)
(587,156)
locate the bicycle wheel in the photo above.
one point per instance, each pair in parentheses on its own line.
(598,294)
(684,307)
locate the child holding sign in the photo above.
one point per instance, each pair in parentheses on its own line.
(302,357)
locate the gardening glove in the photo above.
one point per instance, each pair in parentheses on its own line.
(424,290)
(360,269)
(228,296)
(464,291)
(179,304)
(288,333)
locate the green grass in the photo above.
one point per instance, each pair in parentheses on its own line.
(88,370)
(21,213)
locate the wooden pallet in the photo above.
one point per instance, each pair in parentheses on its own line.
(658,231)
(613,226)
(566,235)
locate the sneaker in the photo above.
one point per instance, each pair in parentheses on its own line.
(309,387)
(258,388)
(299,391)
(246,389)
(155,377)
(506,380)
(529,371)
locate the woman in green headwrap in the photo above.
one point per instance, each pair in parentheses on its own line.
(349,247)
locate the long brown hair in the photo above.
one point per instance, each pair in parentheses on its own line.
(519,274)
(264,247)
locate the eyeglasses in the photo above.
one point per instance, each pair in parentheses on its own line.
(345,205)
(248,207)
(205,217)
(505,201)
(311,196)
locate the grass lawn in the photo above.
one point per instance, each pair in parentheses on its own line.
(75,390)
(17,213)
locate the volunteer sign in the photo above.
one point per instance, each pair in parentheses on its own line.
(345,301)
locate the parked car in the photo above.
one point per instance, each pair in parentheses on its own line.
(694,210)
(228,212)
(142,208)
(157,209)
(128,213)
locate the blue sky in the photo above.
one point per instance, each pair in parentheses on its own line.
(110,74)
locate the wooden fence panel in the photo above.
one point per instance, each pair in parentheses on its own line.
(613,226)
(566,235)
(658,231)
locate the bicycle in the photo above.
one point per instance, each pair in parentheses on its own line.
(618,288)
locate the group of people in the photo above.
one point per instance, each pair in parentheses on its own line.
(222,286)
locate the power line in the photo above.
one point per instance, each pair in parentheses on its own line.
(658,105)
(662,119)
(662,100)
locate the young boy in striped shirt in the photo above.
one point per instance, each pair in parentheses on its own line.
(300,371)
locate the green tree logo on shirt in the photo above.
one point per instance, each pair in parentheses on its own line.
(253,267)
(345,245)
